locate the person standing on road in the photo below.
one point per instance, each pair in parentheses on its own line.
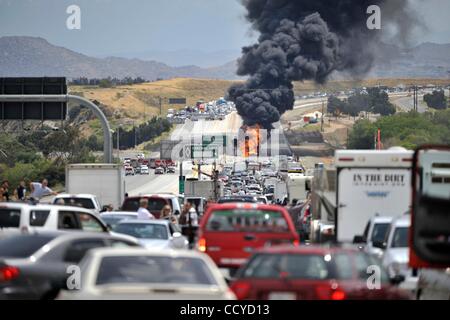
(20,191)
(166,213)
(5,190)
(143,213)
(39,190)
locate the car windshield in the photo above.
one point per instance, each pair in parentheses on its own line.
(154,204)
(9,218)
(242,220)
(400,238)
(78,202)
(143,230)
(379,232)
(362,263)
(23,246)
(296,266)
(154,269)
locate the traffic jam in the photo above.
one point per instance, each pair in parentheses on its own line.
(253,230)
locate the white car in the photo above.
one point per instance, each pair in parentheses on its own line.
(87,201)
(375,232)
(142,274)
(153,234)
(20,217)
(112,218)
(396,252)
(144,170)
(159,170)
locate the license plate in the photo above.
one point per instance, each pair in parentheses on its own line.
(282,296)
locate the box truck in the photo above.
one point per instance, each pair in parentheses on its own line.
(370,182)
(104,180)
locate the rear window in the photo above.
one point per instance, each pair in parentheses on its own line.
(143,230)
(247,221)
(9,218)
(294,266)
(153,269)
(38,217)
(154,204)
(22,246)
(79,202)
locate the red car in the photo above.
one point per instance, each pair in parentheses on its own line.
(312,273)
(155,204)
(230,232)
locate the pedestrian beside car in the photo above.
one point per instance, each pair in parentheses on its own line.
(2,199)
(21,191)
(143,213)
(166,214)
(40,189)
(5,190)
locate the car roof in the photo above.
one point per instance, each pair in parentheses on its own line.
(78,195)
(71,234)
(382,219)
(244,206)
(309,249)
(62,207)
(118,213)
(14,205)
(161,222)
(402,221)
(105,252)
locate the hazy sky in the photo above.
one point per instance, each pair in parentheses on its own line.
(116,26)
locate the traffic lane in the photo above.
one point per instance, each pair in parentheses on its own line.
(407,103)
(167,182)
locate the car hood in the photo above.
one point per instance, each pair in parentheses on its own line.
(154,243)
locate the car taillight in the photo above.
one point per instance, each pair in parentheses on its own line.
(8,273)
(241,289)
(296,242)
(201,244)
(330,292)
(338,294)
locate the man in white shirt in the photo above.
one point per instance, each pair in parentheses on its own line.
(143,213)
(39,190)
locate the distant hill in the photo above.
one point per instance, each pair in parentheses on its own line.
(31,56)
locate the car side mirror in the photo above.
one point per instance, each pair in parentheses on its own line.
(397,279)
(359,239)
(379,244)
(109,227)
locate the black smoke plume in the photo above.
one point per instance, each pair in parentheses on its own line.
(306,40)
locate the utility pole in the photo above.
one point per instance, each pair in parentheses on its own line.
(160,106)
(321,121)
(118,143)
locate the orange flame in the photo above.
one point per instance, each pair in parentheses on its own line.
(249,146)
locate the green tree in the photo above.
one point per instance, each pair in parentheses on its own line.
(436,100)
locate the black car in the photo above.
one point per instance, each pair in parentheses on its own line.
(36,265)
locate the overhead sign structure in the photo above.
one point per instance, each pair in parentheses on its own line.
(33,110)
(46,99)
(177,100)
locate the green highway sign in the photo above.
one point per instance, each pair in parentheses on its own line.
(214,139)
(198,151)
